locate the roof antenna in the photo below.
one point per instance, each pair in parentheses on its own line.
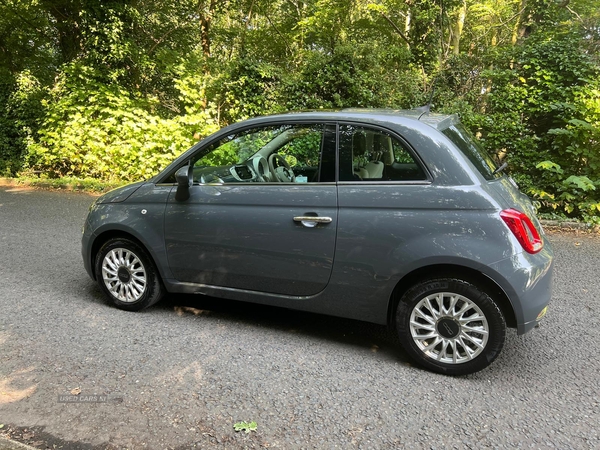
(425,109)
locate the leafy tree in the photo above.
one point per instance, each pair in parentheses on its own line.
(115,89)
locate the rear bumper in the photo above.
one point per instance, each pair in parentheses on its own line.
(527,281)
(532,324)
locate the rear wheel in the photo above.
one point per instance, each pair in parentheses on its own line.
(450,326)
(127,275)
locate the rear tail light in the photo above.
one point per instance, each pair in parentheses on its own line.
(523,229)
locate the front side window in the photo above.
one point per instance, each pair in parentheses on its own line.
(281,153)
(373,155)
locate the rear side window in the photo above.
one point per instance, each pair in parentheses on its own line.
(368,154)
(471,148)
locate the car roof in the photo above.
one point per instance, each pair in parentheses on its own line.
(396,116)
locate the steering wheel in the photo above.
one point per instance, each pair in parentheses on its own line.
(281,169)
(262,169)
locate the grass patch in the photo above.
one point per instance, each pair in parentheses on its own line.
(67,183)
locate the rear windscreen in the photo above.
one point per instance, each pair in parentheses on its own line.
(469,146)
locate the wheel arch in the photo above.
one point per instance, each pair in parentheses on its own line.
(105,236)
(467,274)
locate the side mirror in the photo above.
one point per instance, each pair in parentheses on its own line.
(185,179)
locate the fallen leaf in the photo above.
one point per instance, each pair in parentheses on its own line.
(194,311)
(181,310)
(75,391)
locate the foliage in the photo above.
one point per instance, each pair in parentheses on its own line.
(244,89)
(543,114)
(353,76)
(247,427)
(114,90)
(70,183)
(96,130)
(19,119)
(573,186)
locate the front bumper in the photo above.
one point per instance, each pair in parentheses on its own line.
(86,249)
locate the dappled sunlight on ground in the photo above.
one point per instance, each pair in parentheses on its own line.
(20,190)
(183,374)
(9,387)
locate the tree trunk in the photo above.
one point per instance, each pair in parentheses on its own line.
(205,21)
(520,28)
(66,15)
(245,30)
(458,28)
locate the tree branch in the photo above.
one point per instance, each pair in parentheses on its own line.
(161,39)
(395,27)
(578,16)
(278,32)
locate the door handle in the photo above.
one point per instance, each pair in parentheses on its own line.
(312,221)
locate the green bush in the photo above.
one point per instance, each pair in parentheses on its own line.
(244,89)
(540,109)
(571,180)
(101,131)
(22,111)
(354,76)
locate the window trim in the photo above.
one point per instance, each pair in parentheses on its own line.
(206,143)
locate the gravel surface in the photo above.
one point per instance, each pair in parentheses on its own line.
(180,374)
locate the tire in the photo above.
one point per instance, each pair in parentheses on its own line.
(450,326)
(127,275)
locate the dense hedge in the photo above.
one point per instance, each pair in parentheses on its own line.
(542,113)
(115,90)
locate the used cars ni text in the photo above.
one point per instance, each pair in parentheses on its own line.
(391,217)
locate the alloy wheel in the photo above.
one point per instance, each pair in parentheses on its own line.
(124,275)
(449,328)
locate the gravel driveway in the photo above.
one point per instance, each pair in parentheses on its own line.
(180,374)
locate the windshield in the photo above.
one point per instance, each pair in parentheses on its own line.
(471,148)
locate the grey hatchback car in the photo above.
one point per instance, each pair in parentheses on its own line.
(391,217)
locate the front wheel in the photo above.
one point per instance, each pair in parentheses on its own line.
(127,275)
(450,326)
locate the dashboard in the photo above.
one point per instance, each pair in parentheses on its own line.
(257,169)
(253,170)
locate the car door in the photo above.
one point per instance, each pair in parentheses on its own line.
(262,212)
